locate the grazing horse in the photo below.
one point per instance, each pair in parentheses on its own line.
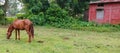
(18,25)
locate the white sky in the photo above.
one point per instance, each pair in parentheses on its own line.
(20,5)
(2,2)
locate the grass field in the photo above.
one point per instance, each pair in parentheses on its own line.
(55,40)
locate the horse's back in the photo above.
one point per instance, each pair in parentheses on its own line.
(18,24)
(27,22)
(21,24)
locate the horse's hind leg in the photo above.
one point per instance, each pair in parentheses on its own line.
(32,32)
(29,35)
(33,36)
(18,34)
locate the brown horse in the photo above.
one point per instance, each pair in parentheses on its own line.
(18,25)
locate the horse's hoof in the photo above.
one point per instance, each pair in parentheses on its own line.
(7,38)
(29,41)
(18,38)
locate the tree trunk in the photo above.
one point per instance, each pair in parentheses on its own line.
(5,6)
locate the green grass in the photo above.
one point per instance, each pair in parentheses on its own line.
(55,40)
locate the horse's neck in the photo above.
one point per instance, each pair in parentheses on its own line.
(10,29)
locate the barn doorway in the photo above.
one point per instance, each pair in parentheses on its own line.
(100,11)
(100,14)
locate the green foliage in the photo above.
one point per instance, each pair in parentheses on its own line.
(37,19)
(10,20)
(3,21)
(75,7)
(21,15)
(2,17)
(58,14)
(13,7)
(1,12)
(55,14)
(35,6)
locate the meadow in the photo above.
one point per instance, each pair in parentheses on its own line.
(56,40)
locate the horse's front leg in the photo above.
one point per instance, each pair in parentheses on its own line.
(18,34)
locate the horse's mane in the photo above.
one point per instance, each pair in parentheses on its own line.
(10,28)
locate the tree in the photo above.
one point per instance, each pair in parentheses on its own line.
(5,6)
(3,9)
(13,7)
(73,6)
(35,6)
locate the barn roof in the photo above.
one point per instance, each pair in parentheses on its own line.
(118,1)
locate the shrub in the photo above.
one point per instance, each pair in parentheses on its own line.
(2,17)
(57,17)
(21,15)
(37,19)
(1,12)
(9,20)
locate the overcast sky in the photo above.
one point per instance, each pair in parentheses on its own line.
(2,2)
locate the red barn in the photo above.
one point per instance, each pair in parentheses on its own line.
(105,11)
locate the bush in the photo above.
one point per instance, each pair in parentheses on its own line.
(37,19)
(9,20)
(21,16)
(57,17)
(2,17)
(1,12)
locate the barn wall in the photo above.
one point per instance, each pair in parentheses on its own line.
(111,13)
(92,12)
(109,0)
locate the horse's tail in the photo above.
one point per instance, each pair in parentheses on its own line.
(32,30)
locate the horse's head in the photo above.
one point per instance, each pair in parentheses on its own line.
(8,35)
(9,32)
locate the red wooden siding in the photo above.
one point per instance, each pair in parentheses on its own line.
(111,13)
(109,0)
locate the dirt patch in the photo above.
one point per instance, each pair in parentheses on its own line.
(7,50)
(97,46)
(40,41)
(66,38)
(75,44)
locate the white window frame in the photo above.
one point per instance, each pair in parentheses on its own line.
(100,14)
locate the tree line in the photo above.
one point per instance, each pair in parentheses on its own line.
(58,13)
